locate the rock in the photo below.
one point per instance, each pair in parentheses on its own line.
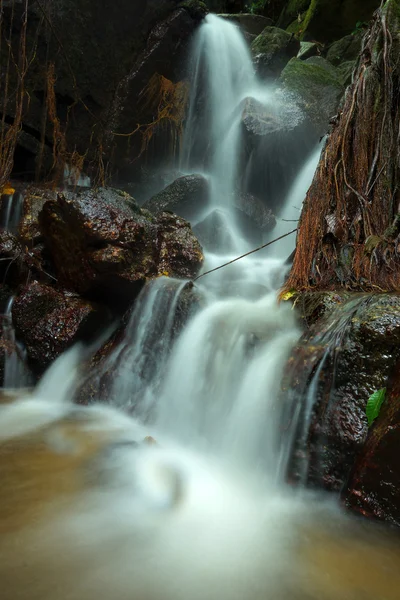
(342,359)
(34,200)
(373,488)
(48,321)
(13,268)
(187,196)
(272,50)
(316,85)
(256,210)
(345,49)
(276,136)
(308,49)
(213,232)
(249,23)
(345,72)
(104,246)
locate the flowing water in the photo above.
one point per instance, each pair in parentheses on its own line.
(204,512)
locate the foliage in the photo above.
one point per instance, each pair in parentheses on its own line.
(256,6)
(374,405)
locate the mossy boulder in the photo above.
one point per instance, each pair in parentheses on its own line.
(345,49)
(272,50)
(308,49)
(316,84)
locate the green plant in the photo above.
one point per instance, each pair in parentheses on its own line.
(256,6)
(374,405)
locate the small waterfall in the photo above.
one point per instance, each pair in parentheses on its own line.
(15,374)
(137,365)
(11,211)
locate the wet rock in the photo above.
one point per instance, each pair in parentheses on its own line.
(345,49)
(13,268)
(34,200)
(214,231)
(104,246)
(342,359)
(249,23)
(180,254)
(48,321)
(187,196)
(373,488)
(272,50)
(317,87)
(257,212)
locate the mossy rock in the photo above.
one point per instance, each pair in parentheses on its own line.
(317,86)
(272,50)
(345,72)
(308,49)
(291,11)
(345,49)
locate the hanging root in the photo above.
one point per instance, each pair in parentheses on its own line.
(348,235)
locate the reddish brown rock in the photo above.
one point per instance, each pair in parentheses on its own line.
(104,246)
(48,321)
(374,486)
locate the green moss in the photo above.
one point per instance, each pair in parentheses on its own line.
(270,40)
(299,74)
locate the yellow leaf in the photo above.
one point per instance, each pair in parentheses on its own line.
(7,190)
(287,295)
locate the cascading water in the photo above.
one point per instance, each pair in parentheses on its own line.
(218,390)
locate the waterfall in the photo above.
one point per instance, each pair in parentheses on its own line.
(216,389)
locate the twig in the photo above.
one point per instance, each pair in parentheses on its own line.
(243,255)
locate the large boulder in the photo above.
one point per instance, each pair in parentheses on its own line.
(104,246)
(187,196)
(272,50)
(317,87)
(49,320)
(373,488)
(345,356)
(345,49)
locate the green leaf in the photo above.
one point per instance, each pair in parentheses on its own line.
(374,405)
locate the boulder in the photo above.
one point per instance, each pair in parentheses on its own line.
(187,196)
(344,357)
(272,50)
(345,49)
(345,72)
(256,211)
(373,488)
(34,200)
(316,85)
(104,246)
(49,320)
(214,232)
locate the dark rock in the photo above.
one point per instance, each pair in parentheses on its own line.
(345,72)
(256,210)
(373,488)
(249,23)
(214,232)
(48,321)
(13,269)
(187,196)
(342,359)
(317,88)
(348,48)
(272,50)
(104,246)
